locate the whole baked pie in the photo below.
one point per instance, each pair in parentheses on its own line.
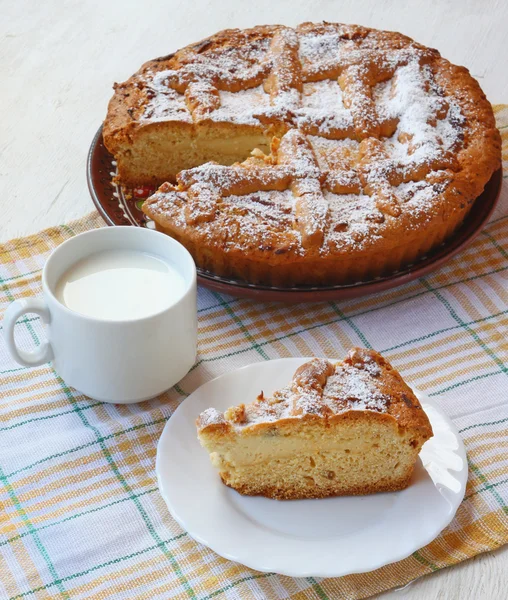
(320,155)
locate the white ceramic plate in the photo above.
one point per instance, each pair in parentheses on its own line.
(328,537)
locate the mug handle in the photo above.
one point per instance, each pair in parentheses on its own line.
(43,353)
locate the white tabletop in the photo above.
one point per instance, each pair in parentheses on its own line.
(59,61)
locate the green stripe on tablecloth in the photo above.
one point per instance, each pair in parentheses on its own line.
(233,584)
(22,275)
(108,563)
(484,424)
(75,516)
(422,560)
(10,490)
(241,325)
(178,389)
(487,487)
(496,245)
(24,320)
(493,222)
(53,416)
(128,490)
(473,333)
(14,370)
(444,330)
(464,382)
(89,444)
(6,289)
(317,588)
(352,324)
(484,480)
(32,532)
(68,229)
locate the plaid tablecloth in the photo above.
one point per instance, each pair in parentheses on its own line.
(80,513)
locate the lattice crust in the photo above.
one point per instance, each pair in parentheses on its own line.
(364,381)
(377,142)
(282,60)
(294,166)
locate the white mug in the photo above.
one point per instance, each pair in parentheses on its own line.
(113,361)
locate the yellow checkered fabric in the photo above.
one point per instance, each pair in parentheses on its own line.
(80,513)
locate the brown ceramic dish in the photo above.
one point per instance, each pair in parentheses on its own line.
(119,208)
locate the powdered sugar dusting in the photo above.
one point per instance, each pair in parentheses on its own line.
(282,106)
(355,389)
(319,52)
(322,95)
(165,103)
(211,416)
(271,210)
(335,154)
(346,387)
(240,107)
(268,206)
(422,115)
(322,108)
(418,192)
(352,220)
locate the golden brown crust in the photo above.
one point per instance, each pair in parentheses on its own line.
(299,493)
(268,265)
(124,123)
(363,386)
(413,185)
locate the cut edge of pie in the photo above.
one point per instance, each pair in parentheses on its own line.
(347,428)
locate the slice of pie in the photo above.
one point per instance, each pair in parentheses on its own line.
(353,427)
